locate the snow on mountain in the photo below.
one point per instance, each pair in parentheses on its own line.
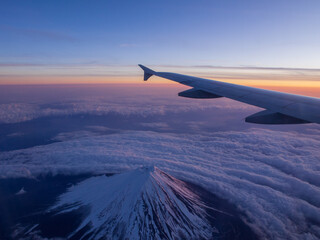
(145,203)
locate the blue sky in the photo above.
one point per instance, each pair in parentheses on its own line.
(220,33)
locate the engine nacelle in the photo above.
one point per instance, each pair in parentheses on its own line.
(197,93)
(269,117)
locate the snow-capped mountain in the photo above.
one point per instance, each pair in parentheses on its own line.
(145,203)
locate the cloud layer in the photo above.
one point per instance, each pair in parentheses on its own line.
(273,177)
(102,100)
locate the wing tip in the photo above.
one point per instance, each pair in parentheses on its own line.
(147,72)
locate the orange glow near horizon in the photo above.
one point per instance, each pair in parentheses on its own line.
(308,87)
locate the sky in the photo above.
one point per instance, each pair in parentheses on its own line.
(103,41)
(56,116)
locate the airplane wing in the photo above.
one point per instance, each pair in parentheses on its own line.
(280,108)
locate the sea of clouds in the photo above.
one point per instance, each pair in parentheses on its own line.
(272,176)
(271,173)
(117,99)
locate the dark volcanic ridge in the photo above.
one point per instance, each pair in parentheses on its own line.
(145,203)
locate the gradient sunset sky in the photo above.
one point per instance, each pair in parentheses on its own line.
(269,43)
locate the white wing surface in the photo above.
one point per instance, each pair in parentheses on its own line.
(281,108)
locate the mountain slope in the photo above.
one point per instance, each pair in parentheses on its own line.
(145,203)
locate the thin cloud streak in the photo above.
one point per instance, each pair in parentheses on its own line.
(95,72)
(94,63)
(240,67)
(36,33)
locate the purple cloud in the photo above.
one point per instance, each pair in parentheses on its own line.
(272,176)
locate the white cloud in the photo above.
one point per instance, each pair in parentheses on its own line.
(21,192)
(143,105)
(65,136)
(271,176)
(158,125)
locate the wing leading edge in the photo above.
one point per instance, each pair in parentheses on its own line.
(281,108)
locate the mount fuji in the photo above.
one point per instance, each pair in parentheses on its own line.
(145,203)
(142,204)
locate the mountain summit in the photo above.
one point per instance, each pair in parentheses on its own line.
(145,203)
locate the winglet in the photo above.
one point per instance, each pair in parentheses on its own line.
(147,72)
